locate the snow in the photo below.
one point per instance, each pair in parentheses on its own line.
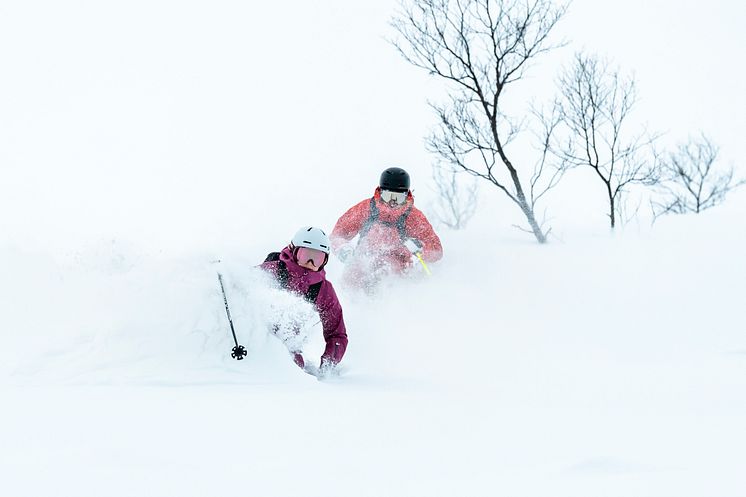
(141,155)
(610,366)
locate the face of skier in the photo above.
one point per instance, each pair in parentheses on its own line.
(310,258)
(394,199)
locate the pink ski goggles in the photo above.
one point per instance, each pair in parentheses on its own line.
(305,255)
(398,197)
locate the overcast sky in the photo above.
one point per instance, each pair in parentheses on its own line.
(183,122)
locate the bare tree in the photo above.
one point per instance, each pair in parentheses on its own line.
(456,204)
(480,47)
(596,102)
(691,180)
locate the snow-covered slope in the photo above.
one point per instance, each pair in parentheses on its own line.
(608,366)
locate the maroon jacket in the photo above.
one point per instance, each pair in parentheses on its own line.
(327,304)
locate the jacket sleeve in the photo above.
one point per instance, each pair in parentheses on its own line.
(270,267)
(335,333)
(419,228)
(349,224)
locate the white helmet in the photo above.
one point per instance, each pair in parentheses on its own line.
(311,237)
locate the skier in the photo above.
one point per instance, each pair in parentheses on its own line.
(390,229)
(299,268)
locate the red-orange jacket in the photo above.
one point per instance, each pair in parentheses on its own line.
(383,238)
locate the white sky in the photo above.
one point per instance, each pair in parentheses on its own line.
(184,122)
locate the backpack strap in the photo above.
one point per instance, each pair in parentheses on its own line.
(400,223)
(272,256)
(283,276)
(313,292)
(372,218)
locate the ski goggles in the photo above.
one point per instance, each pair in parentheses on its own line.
(305,255)
(398,197)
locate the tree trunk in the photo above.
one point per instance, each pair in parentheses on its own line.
(528,210)
(529,213)
(612,216)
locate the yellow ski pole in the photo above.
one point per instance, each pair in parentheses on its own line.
(427,269)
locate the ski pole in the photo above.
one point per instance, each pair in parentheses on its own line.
(239,352)
(427,269)
(415,248)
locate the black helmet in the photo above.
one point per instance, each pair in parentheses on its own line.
(394,179)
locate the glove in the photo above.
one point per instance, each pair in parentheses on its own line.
(413,246)
(344,253)
(298,360)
